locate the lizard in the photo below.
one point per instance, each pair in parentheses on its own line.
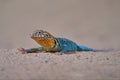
(50,43)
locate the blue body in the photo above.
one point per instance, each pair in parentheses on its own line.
(63,45)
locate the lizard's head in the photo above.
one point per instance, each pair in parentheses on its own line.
(41,35)
(43,38)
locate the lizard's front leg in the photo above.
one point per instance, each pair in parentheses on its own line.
(64,50)
(31,50)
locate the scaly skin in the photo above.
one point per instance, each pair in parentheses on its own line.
(50,43)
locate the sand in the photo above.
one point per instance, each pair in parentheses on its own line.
(49,66)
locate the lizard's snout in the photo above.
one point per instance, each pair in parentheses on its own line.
(31,35)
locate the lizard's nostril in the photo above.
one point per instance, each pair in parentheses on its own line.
(39,32)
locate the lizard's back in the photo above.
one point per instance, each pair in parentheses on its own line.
(70,45)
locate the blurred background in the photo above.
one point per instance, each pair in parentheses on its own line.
(94,23)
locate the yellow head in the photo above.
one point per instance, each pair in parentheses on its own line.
(43,38)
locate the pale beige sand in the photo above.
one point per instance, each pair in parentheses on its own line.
(48,66)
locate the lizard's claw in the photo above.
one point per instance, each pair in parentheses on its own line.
(22,50)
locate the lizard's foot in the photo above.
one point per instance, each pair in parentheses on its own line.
(22,50)
(58,53)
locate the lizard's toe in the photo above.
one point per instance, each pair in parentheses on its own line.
(22,50)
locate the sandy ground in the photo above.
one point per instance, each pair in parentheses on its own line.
(48,66)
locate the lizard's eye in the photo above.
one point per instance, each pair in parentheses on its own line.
(39,32)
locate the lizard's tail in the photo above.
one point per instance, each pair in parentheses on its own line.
(84,48)
(105,50)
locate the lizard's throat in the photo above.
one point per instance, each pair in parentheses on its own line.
(48,44)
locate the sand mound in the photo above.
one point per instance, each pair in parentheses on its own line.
(47,66)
